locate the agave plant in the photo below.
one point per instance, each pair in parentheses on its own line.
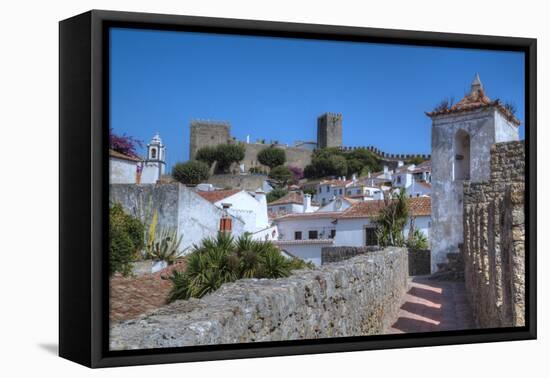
(165,246)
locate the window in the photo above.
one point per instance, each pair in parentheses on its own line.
(298,235)
(328,189)
(399,179)
(340,191)
(153,153)
(319,190)
(313,234)
(332,233)
(359,191)
(335,191)
(461,167)
(370,236)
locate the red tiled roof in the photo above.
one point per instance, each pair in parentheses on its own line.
(292,197)
(217,195)
(119,155)
(418,206)
(476,99)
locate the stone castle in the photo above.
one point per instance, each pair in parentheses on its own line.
(329,134)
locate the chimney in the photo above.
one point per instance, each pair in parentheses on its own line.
(386,169)
(226,223)
(307,203)
(400,163)
(354,178)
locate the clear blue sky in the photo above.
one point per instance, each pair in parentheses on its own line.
(274,88)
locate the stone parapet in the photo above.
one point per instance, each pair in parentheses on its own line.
(494,240)
(359,296)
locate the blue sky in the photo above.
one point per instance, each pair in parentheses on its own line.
(274,88)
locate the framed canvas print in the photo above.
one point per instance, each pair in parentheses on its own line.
(234,188)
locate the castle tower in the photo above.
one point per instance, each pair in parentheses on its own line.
(208,133)
(329,130)
(462,136)
(155,162)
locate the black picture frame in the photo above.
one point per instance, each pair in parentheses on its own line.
(83,196)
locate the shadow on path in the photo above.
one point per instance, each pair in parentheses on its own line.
(430,306)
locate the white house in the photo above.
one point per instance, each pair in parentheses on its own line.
(251,208)
(293,202)
(126,169)
(327,190)
(304,235)
(339,204)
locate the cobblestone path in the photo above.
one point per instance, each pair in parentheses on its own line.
(431,305)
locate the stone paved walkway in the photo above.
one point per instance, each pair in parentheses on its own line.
(431,305)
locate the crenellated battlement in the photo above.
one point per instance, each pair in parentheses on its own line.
(387,156)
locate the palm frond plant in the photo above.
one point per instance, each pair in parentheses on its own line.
(392,219)
(223,259)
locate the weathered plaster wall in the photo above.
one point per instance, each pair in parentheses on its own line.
(178,207)
(122,171)
(494,240)
(352,298)
(447,194)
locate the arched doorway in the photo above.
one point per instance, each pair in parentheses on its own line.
(461,167)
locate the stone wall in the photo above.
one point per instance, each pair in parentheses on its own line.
(418,260)
(337,254)
(359,296)
(249,182)
(494,240)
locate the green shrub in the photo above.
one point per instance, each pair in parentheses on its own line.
(272,156)
(335,162)
(223,259)
(227,154)
(165,246)
(207,155)
(417,240)
(192,172)
(125,240)
(275,194)
(280,176)
(392,219)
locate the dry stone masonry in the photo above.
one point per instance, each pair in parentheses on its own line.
(355,297)
(494,240)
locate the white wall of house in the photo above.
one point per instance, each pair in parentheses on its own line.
(306,252)
(286,208)
(351,232)
(122,171)
(269,233)
(243,202)
(151,173)
(287,228)
(417,189)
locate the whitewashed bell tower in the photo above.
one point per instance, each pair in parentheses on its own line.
(155,163)
(462,137)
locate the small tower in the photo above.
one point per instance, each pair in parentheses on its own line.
(155,163)
(462,136)
(329,130)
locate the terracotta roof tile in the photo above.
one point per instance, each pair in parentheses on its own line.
(119,155)
(476,99)
(419,206)
(217,195)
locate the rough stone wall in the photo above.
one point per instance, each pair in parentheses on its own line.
(207,133)
(329,130)
(419,262)
(337,254)
(494,240)
(249,182)
(295,156)
(359,296)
